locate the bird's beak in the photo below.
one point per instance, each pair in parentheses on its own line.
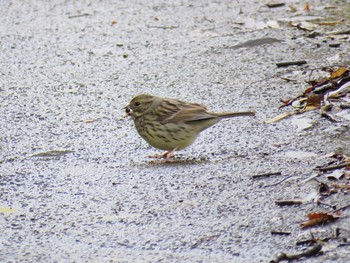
(128,111)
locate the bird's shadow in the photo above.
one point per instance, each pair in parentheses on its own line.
(178,160)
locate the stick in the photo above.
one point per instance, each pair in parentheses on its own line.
(291,63)
(288,202)
(342,208)
(279,181)
(321,203)
(273,5)
(275,232)
(164,27)
(308,253)
(255,176)
(75,16)
(333,167)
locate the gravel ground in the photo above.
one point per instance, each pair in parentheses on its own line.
(76,184)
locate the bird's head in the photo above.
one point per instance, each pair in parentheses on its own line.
(140,104)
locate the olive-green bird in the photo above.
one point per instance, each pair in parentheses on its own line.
(171,124)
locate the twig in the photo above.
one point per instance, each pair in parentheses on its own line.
(75,16)
(333,167)
(255,176)
(291,63)
(342,208)
(344,106)
(279,181)
(288,202)
(163,27)
(308,253)
(307,242)
(344,32)
(273,5)
(341,186)
(282,233)
(328,117)
(344,244)
(328,205)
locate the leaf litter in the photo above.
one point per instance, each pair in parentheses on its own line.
(331,94)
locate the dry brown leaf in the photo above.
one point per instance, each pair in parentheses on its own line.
(314,100)
(337,73)
(319,219)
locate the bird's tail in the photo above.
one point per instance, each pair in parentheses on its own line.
(235,114)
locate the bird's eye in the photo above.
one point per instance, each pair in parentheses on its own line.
(137,103)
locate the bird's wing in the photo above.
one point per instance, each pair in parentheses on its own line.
(178,111)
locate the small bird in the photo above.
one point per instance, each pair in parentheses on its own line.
(171,124)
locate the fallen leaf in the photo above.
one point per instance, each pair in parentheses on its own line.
(337,73)
(318,219)
(314,100)
(336,174)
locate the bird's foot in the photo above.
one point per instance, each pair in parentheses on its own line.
(168,155)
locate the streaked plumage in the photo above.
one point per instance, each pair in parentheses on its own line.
(171,124)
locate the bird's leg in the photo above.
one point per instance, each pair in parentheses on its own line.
(159,156)
(166,155)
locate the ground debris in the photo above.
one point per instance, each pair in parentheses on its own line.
(288,257)
(256,176)
(291,63)
(336,170)
(52,153)
(274,5)
(280,232)
(288,202)
(78,15)
(319,219)
(323,95)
